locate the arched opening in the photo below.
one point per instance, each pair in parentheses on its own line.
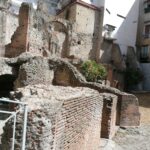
(59,39)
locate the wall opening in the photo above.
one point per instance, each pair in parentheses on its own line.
(6,84)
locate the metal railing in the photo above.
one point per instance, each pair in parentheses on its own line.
(13,115)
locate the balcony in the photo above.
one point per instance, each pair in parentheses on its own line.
(146,36)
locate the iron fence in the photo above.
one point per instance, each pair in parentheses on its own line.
(13,115)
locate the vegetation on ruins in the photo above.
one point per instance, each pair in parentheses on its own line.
(92,71)
(133,76)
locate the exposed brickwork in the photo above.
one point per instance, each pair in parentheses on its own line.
(60,118)
(67,75)
(109,116)
(79,133)
(125,101)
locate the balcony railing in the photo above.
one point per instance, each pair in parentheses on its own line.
(146,36)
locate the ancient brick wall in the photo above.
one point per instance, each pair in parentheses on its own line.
(82,129)
(127,106)
(59,118)
(37,70)
(109,116)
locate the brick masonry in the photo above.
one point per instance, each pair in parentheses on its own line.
(37,70)
(109,115)
(59,118)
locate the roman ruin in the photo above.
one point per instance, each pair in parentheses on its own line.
(42,46)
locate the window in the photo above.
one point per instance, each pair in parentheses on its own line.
(147,6)
(67,14)
(147,31)
(144,54)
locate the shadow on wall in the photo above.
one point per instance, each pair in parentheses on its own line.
(126,33)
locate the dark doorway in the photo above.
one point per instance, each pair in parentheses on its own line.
(6,84)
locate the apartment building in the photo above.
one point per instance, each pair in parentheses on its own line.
(143,42)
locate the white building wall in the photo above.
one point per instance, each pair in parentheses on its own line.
(126,29)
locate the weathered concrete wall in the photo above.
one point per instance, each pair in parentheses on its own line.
(83,17)
(130,115)
(59,118)
(87,40)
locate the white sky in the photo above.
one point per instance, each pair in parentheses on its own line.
(121,7)
(20,1)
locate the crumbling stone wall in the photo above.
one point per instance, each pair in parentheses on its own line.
(35,71)
(125,100)
(40,34)
(47,35)
(8,25)
(109,116)
(67,75)
(59,118)
(19,41)
(86,39)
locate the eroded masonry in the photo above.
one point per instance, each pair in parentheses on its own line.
(37,67)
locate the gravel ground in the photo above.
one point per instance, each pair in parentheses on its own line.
(137,138)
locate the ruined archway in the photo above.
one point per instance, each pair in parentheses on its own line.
(58,43)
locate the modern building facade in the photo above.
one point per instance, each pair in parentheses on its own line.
(120,22)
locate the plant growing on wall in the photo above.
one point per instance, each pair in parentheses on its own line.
(92,71)
(133,76)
